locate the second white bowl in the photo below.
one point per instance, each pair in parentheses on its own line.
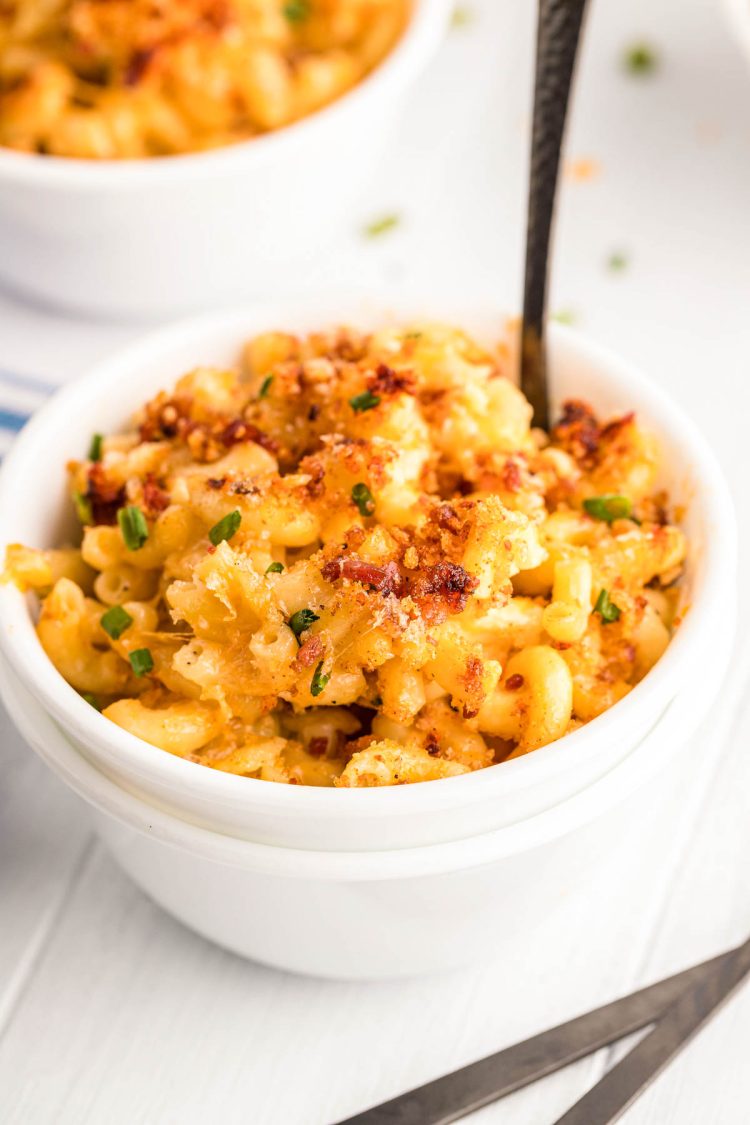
(149,238)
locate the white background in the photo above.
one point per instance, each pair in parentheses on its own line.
(109,1010)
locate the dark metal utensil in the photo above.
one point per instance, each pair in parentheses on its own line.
(558,34)
(678,1005)
(621,1085)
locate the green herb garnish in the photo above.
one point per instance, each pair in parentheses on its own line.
(95,449)
(115,621)
(609,507)
(141,661)
(297,10)
(607,609)
(225,528)
(275,568)
(133,527)
(462,16)
(617,262)
(302,620)
(91,700)
(83,508)
(640,58)
(319,681)
(565,316)
(382,225)
(265,386)
(365,401)
(363,498)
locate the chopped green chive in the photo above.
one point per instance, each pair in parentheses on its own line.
(275,568)
(91,700)
(365,401)
(115,621)
(319,681)
(609,507)
(265,386)
(302,620)
(225,528)
(608,610)
(133,527)
(382,226)
(363,498)
(83,507)
(617,262)
(565,316)
(297,10)
(462,16)
(640,58)
(141,661)
(95,449)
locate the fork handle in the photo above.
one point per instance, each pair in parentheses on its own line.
(558,34)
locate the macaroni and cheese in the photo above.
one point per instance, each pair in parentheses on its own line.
(353,562)
(113,79)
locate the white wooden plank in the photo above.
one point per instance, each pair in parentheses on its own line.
(709,896)
(708,1084)
(42,842)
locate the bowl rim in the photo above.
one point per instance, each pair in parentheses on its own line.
(681,719)
(421,35)
(22,650)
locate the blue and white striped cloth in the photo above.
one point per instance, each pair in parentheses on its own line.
(20,396)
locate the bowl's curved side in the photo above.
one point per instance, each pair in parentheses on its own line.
(150,238)
(364,916)
(419,40)
(680,722)
(369,916)
(294,816)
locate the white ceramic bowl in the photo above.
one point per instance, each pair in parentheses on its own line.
(397,912)
(149,237)
(32,499)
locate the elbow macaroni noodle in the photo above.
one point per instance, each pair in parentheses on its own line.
(118,79)
(352,562)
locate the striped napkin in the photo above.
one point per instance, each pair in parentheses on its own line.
(20,396)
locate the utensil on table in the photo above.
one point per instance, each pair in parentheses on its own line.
(558,34)
(678,1007)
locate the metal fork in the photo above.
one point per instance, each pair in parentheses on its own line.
(677,1007)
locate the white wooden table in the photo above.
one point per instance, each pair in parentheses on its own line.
(110,1012)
